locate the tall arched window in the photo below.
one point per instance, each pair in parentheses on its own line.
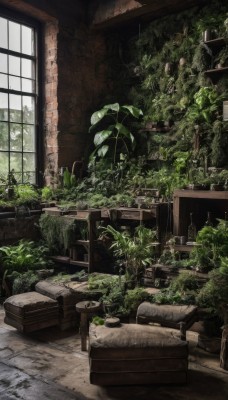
(18,100)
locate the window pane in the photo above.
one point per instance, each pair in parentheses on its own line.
(14,83)
(3,36)
(4,136)
(3,62)
(27,68)
(28,162)
(14,65)
(15,107)
(27,85)
(28,110)
(15,137)
(4,159)
(14,36)
(3,81)
(29,138)
(15,162)
(29,177)
(4,106)
(27,40)
(18,176)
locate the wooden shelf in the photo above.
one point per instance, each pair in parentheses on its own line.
(198,202)
(68,260)
(214,74)
(132,214)
(216,43)
(183,248)
(201,194)
(79,263)
(90,217)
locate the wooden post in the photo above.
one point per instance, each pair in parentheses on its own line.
(224,349)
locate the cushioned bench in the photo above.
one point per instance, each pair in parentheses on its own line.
(31,311)
(134,354)
(173,316)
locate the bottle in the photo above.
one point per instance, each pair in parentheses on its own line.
(191,230)
(208,221)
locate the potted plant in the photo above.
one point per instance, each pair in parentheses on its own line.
(136,251)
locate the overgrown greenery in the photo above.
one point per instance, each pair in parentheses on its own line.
(212,246)
(59,233)
(136,252)
(214,294)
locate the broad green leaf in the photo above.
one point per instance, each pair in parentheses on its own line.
(124,131)
(136,112)
(98,115)
(103,151)
(101,137)
(113,107)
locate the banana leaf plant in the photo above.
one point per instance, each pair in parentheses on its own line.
(117,137)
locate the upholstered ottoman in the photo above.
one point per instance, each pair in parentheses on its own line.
(133,354)
(174,316)
(67,297)
(31,311)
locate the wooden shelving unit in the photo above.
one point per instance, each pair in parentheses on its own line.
(159,216)
(198,202)
(215,45)
(89,217)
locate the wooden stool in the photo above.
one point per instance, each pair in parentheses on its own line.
(85,308)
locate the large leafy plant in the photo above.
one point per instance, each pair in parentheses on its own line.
(136,252)
(23,257)
(116,137)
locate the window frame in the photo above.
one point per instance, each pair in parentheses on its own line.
(22,19)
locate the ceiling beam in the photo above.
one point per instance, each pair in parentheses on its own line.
(112,12)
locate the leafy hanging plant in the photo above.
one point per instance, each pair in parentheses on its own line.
(116,132)
(206,104)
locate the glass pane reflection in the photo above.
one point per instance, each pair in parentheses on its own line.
(3,81)
(14,66)
(4,106)
(3,36)
(27,40)
(3,62)
(15,137)
(14,36)
(14,83)
(27,68)
(28,110)
(29,137)
(4,164)
(16,162)
(15,108)
(4,136)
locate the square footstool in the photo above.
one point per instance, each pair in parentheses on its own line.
(133,354)
(31,311)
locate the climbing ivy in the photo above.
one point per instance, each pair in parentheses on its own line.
(163,68)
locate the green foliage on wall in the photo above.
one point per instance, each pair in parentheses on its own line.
(168,59)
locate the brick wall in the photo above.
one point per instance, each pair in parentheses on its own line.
(50,101)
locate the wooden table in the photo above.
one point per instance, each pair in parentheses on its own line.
(85,308)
